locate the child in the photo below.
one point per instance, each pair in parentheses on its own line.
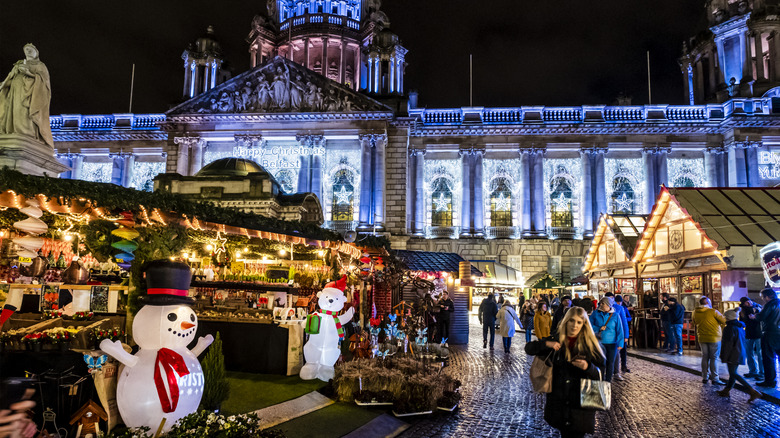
(732,353)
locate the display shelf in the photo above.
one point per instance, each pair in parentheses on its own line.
(237,285)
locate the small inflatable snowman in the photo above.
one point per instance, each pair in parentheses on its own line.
(322,350)
(164,379)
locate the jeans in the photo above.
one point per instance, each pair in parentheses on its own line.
(753,352)
(492,329)
(621,357)
(768,355)
(676,338)
(667,335)
(507,343)
(611,352)
(528,333)
(734,376)
(709,358)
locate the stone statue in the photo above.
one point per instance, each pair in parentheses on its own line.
(271,7)
(296,93)
(263,91)
(24,99)
(281,87)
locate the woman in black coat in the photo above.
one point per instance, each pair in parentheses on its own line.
(576,355)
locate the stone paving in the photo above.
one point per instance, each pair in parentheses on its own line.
(653,401)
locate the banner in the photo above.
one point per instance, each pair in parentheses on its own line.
(770,261)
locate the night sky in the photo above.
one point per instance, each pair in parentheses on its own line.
(525,53)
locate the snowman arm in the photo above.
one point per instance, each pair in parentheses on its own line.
(202,345)
(115,350)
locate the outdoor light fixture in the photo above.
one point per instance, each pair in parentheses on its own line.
(320,253)
(68,237)
(209,247)
(282,252)
(246,249)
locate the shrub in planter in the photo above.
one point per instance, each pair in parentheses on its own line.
(208,424)
(216,388)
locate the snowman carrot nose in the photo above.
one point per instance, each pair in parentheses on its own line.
(186,325)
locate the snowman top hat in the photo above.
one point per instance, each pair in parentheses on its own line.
(167,283)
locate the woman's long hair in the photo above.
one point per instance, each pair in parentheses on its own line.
(586,340)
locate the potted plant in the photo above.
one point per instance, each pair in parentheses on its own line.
(34,341)
(82,316)
(60,338)
(114,334)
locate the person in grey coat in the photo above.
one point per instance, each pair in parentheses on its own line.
(733,354)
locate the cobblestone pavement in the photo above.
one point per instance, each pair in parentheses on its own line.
(653,401)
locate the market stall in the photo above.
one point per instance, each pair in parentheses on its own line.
(608,264)
(543,284)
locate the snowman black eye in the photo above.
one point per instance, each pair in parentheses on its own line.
(171,317)
(192,317)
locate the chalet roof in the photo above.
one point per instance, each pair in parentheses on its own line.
(733,216)
(430,261)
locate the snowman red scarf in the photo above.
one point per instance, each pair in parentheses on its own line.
(339,328)
(173,364)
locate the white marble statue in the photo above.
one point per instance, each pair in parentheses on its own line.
(24,99)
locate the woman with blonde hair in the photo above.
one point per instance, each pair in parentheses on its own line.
(575,354)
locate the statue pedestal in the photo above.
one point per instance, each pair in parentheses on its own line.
(29,156)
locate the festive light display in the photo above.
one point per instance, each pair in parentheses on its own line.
(630,168)
(451,172)
(494,172)
(97,172)
(144,173)
(343,196)
(686,172)
(335,162)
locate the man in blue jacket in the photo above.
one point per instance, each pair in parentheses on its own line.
(676,315)
(625,317)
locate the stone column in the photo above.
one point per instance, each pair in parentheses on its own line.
(391,72)
(525,192)
(76,166)
(759,49)
(712,156)
(773,52)
(478,204)
(600,195)
(303,174)
(586,157)
(196,156)
(117,168)
(737,165)
(325,64)
(366,170)
(187,77)
(751,163)
(418,191)
(183,153)
(306,53)
(713,74)
(465,209)
(747,67)
(379,181)
(538,205)
(662,172)
(722,60)
(377,74)
(648,157)
(343,63)
(127,170)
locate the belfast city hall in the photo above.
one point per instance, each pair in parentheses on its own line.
(324,123)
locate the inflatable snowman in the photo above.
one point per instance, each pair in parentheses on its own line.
(164,379)
(322,350)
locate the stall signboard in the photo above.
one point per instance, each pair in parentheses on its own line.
(236,267)
(50,297)
(770,261)
(99,298)
(277,272)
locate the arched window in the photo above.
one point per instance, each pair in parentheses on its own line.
(286,179)
(441,203)
(501,204)
(684,181)
(343,196)
(623,199)
(561,203)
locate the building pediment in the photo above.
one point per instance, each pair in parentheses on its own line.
(279,86)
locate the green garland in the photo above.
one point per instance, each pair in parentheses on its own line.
(118,198)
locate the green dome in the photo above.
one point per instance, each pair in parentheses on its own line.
(231,167)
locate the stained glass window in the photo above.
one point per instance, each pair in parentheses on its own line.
(561,203)
(623,199)
(441,215)
(501,204)
(343,196)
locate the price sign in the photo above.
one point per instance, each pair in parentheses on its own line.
(25,260)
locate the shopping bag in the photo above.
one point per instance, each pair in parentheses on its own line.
(595,394)
(541,374)
(312,324)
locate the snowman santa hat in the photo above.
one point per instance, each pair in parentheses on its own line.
(167,283)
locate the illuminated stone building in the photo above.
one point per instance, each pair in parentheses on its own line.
(324,111)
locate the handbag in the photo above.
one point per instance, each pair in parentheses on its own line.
(598,334)
(595,394)
(541,374)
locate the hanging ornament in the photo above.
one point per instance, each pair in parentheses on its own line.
(29,245)
(126,245)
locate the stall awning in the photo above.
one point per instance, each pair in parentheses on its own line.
(614,241)
(543,280)
(734,216)
(498,273)
(430,261)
